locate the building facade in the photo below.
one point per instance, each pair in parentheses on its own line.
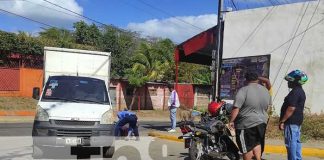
(293,34)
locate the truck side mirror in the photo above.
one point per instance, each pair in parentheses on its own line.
(36,92)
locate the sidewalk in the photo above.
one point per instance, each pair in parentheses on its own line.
(16,119)
(310,148)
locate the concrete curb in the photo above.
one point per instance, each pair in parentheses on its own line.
(17,113)
(311,152)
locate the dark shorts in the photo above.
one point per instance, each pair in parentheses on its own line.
(248,138)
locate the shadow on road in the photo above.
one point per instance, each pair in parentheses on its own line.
(159,127)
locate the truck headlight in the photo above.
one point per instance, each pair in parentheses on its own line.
(107,117)
(41,114)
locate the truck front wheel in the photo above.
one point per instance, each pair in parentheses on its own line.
(37,152)
(108,152)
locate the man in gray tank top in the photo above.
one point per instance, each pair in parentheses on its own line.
(249,117)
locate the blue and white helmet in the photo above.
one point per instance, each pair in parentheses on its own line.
(297,76)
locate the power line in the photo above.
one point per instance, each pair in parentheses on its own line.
(291,43)
(54,4)
(293,58)
(48,25)
(162,11)
(236,8)
(138,8)
(254,30)
(320,21)
(270,1)
(53,9)
(294,30)
(88,18)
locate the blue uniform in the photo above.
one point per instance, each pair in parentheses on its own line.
(124,118)
(123,114)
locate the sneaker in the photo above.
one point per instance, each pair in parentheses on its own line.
(172,130)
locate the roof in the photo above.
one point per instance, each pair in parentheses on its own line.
(197,49)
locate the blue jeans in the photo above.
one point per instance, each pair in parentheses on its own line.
(292,141)
(132,121)
(173,117)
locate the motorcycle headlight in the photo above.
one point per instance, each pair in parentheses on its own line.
(41,114)
(107,117)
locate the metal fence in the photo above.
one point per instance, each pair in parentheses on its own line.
(9,79)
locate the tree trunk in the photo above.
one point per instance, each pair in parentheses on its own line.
(133,99)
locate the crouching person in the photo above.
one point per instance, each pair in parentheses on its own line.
(130,118)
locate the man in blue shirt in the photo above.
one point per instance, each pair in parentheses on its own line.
(291,115)
(124,118)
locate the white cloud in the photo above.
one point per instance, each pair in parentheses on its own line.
(177,29)
(30,9)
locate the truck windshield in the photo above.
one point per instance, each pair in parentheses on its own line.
(75,89)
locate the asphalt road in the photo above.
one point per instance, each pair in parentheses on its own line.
(25,129)
(17,144)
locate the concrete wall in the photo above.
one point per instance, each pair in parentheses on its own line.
(272,37)
(202,96)
(155,95)
(150,96)
(30,78)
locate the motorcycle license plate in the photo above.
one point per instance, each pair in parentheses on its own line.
(187,142)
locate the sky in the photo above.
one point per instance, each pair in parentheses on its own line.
(177,20)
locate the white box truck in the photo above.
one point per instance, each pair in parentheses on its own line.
(74,110)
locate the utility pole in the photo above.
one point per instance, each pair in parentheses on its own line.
(217,54)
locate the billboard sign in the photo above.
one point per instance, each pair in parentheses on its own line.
(233,70)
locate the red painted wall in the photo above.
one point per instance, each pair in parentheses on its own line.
(19,82)
(186,95)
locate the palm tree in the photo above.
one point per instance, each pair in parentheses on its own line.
(148,65)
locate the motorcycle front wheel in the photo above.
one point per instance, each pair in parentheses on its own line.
(196,150)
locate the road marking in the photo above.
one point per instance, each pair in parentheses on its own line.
(164,150)
(311,152)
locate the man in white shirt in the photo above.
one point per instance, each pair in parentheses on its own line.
(173,104)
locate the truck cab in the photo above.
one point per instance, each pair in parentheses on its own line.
(73,113)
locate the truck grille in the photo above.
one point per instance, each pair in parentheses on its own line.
(74,123)
(74,133)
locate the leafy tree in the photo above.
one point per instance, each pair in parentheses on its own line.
(145,68)
(194,73)
(202,75)
(26,44)
(85,34)
(7,42)
(164,49)
(57,37)
(122,47)
(138,59)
